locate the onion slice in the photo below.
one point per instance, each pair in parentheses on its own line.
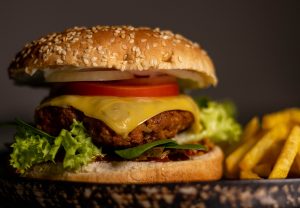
(71,75)
(78,75)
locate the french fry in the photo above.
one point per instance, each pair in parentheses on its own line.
(257,152)
(271,150)
(272,154)
(248,141)
(250,129)
(271,120)
(247,174)
(295,169)
(232,161)
(287,155)
(285,116)
(263,169)
(295,115)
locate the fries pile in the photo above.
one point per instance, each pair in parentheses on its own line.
(268,150)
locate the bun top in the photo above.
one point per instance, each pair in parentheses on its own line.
(123,48)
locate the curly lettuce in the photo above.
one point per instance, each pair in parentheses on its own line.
(218,121)
(31,147)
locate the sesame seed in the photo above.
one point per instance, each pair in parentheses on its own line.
(165,37)
(86,61)
(59,61)
(131,41)
(131,35)
(167,56)
(88,36)
(178,36)
(196,45)
(155,35)
(94,29)
(143,40)
(177,40)
(153,62)
(147,46)
(124,47)
(130,28)
(43,40)
(154,45)
(180,59)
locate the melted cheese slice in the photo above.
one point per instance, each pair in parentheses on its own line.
(123,114)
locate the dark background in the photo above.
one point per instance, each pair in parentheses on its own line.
(255,45)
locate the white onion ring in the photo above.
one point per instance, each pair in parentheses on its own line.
(99,75)
(71,75)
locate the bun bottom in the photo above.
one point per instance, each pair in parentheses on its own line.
(206,167)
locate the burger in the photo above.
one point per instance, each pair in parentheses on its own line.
(116,111)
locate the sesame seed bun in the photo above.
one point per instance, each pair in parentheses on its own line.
(122,48)
(206,167)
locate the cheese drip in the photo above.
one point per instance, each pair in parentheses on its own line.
(123,114)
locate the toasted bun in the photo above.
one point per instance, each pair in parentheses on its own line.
(202,168)
(122,48)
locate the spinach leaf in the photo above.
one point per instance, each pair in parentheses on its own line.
(185,146)
(28,127)
(133,152)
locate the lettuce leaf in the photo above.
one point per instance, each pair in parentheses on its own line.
(26,152)
(218,121)
(78,146)
(31,148)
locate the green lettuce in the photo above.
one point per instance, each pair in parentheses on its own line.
(218,121)
(31,147)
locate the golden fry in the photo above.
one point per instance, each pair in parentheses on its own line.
(291,115)
(271,150)
(257,152)
(295,169)
(232,161)
(287,155)
(295,115)
(247,174)
(251,129)
(273,153)
(248,141)
(263,169)
(271,120)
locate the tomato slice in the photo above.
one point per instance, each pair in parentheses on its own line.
(121,89)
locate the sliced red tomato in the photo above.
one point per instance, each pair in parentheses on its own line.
(121,89)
